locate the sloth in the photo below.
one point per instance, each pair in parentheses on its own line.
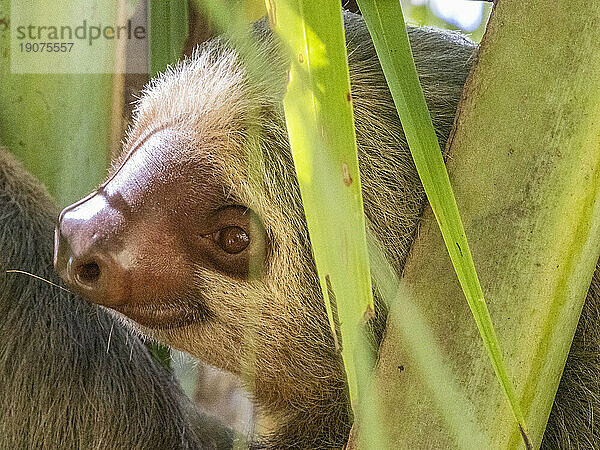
(198,239)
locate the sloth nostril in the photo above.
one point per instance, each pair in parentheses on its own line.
(88,274)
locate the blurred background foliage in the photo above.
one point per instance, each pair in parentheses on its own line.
(468,17)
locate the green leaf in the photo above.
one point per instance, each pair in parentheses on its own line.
(320,124)
(384,19)
(168,32)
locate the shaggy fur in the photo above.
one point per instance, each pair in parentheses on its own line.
(273,330)
(70,376)
(575,419)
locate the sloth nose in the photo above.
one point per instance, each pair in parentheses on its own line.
(80,257)
(86,271)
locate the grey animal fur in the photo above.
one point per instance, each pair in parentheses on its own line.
(70,376)
(235,120)
(575,418)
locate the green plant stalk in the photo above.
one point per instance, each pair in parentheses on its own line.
(320,124)
(324,151)
(59,125)
(419,341)
(168,33)
(393,49)
(524,162)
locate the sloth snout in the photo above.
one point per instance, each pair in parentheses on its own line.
(81,258)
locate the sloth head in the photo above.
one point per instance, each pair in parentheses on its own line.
(197,236)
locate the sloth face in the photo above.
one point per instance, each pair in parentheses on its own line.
(197,238)
(166,244)
(136,242)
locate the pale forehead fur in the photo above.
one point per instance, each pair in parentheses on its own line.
(210,92)
(217,102)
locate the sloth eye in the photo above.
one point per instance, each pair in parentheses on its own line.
(232,239)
